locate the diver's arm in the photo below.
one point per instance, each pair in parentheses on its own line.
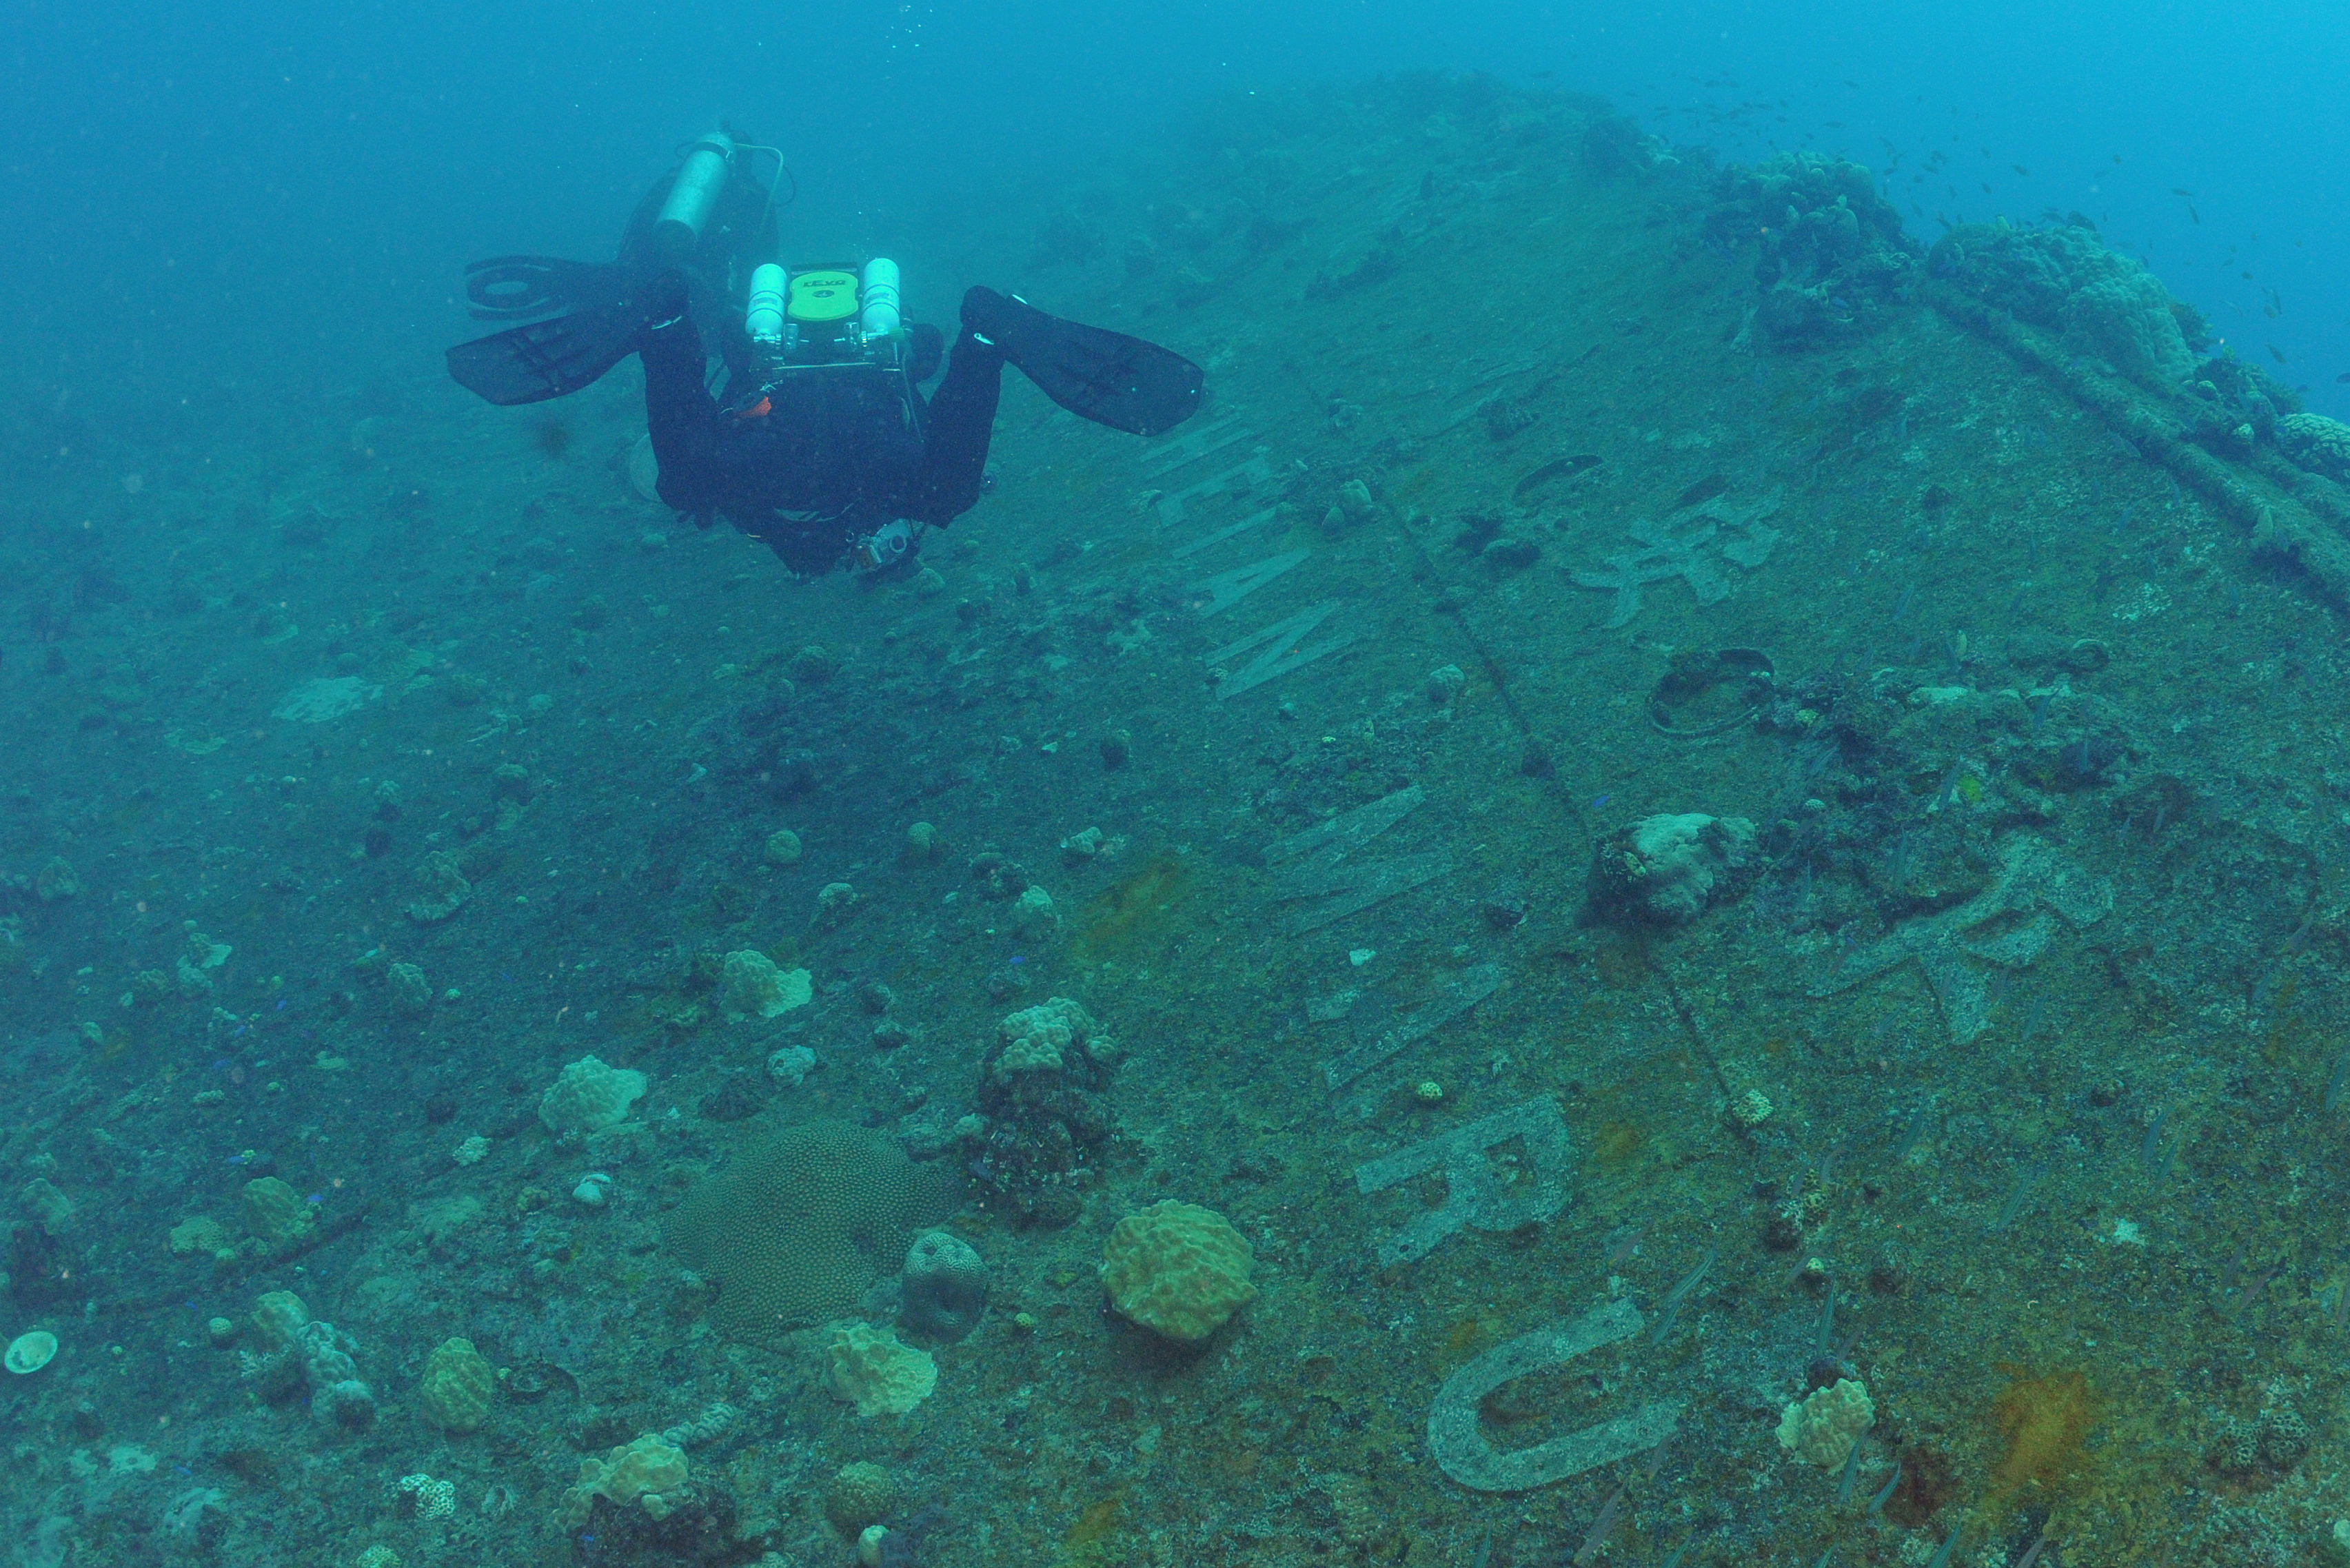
(954,445)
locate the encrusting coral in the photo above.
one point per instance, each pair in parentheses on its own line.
(870,1368)
(298,1351)
(789,1231)
(589,1097)
(647,1471)
(751,986)
(1821,1428)
(457,1387)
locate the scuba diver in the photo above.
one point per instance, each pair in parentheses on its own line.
(819,442)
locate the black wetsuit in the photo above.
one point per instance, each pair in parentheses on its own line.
(833,457)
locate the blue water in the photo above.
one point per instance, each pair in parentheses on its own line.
(432,869)
(193,192)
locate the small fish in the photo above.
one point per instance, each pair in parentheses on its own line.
(1609,1513)
(1626,1244)
(1679,1293)
(1885,1493)
(2174,189)
(1825,1335)
(1680,1551)
(2340,1081)
(1942,1558)
(2020,1195)
(2235,1261)
(1691,1280)
(2194,214)
(1910,1135)
(2277,354)
(2020,169)
(2146,1150)
(1901,606)
(1950,790)
(2039,1543)
(2343,379)
(2342,1303)
(1655,1460)
(1851,1474)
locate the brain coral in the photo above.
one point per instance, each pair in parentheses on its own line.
(861,1494)
(2316,442)
(945,1286)
(589,1097)
(790,1231)
(1177,1268)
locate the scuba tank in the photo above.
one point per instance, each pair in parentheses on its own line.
(876,298)
(826,318)
(762,323)
(713,221)
(700,181)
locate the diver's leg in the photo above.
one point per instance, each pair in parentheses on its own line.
(1106,377)
(679,411)
(954,445)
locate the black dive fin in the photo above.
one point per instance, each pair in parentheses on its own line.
(546,358)
(507,288)
(1099,375)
